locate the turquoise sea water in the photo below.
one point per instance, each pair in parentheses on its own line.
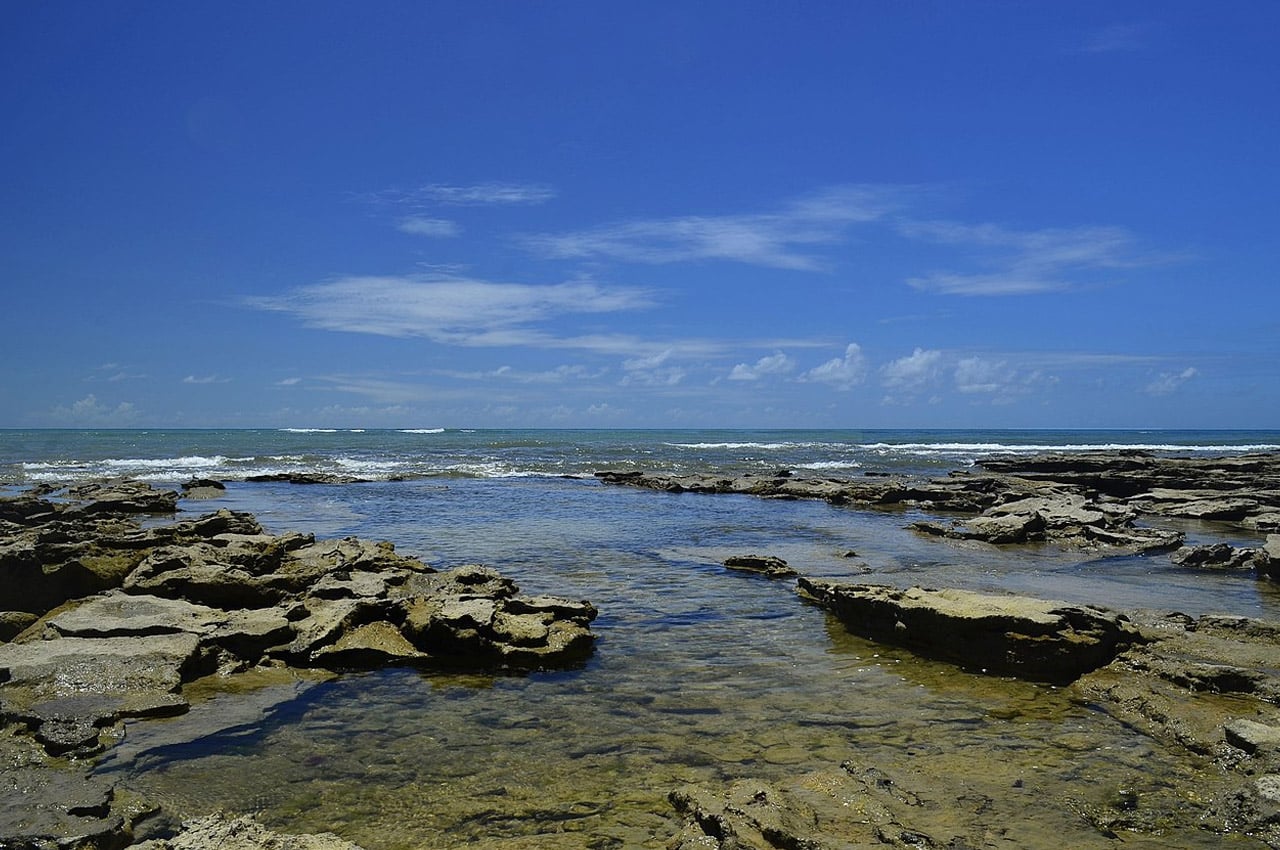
(700,675)
(60,455)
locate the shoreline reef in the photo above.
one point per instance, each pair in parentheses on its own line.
(107,619)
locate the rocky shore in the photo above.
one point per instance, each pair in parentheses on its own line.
(1206,687)
(111,617)
(108,619)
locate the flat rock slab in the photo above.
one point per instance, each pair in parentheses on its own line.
(1034,639)
(117,614)
(67,689)
(42,806)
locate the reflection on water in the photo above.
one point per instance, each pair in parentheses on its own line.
(701,675)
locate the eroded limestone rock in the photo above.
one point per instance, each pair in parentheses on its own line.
(1034,639)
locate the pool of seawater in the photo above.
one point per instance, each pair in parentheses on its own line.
(701,675)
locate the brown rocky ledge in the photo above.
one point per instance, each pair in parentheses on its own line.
(1032,639)
(108,619)
(1093,500)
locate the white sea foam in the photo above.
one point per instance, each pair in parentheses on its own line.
(1036,448)
(188,462)
(368,467)
(490,469)
(830,464)
(310,430)
(421,430)
(760,446)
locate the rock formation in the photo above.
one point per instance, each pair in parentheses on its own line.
(109,619)
(1033,639)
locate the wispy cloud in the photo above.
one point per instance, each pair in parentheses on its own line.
(1029,261)
(382,390)
(1117,38)
(976,375)
(783,239)
(1169,382)
(489,194)
(457,311)
(654,370)
(843,373)
(558,375)
(437,228)
(205,379)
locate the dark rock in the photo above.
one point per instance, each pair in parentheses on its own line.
(121,496)
(26,509)
(203,488)
(768,565)
(14,623)
(1033,639)
(304,478)
(1219,556)
(54,805)
(1268,563)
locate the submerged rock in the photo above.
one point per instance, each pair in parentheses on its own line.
(1033,639)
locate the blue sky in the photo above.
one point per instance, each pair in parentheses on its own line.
(600,214)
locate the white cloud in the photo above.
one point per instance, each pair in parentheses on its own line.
(912,373)
(1026,262)
(843,373)
(458,311)
(1169,382)
(88,411)
(774,240)
(205,379)
(773,364)
(289,382)
(440,228)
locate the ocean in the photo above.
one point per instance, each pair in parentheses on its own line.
(38,456)
(700,675)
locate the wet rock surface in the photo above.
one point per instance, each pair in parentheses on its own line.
(1034,639)
(110,620)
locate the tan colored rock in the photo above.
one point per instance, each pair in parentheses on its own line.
(217,832)
(375,644)
(1036,639)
